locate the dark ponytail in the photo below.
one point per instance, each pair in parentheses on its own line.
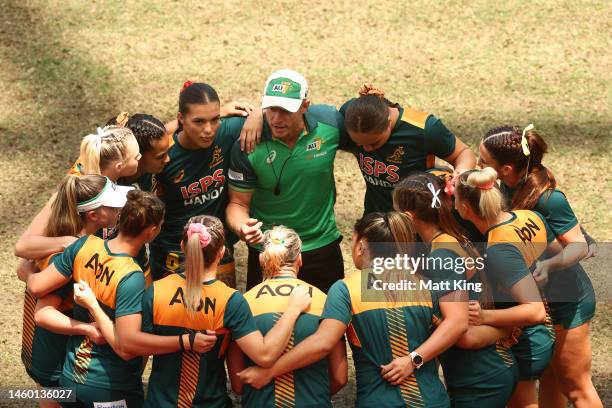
(504,146)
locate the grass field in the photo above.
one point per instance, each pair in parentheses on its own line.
(67,66)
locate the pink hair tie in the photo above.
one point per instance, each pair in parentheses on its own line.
(487,186)
(449,187)
(202,231)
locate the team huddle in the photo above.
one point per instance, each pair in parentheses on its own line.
(133,256)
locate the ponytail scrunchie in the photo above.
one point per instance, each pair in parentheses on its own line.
(203,234)
(186,85)
(487,186)
(122,119)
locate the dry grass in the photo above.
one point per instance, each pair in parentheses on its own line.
(66,66)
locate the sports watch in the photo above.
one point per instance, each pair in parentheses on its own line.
(417,359)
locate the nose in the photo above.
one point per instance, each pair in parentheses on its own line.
(166,158)
(208,128)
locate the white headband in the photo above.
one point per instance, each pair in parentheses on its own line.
(111,195)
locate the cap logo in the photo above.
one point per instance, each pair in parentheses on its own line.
(283,87)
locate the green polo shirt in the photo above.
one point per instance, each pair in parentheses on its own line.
(304,175)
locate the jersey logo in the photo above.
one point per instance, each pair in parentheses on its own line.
(207,303)
(271,157)
(315,144)
(179,177)
(280,290)
(217,158)
(102,273)
(235,175)
(397,155)
(528,231)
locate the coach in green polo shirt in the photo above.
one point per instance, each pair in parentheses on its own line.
(289,180)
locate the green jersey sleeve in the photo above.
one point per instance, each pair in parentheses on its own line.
(557,211)
(338,303)
(231,127)
(238,317)
(129,294)
(505,265)
(63,262)
(346,143)
(550,234)
(242,176)
(147,310)
(438,139)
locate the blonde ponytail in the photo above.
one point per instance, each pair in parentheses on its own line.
(91,147)
(194,264)
(282,246)
(65,219)
(99,149)
(203,238)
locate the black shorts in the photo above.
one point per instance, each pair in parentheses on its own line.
(321,267)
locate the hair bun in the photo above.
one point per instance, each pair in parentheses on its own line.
(482,178)
(368,89)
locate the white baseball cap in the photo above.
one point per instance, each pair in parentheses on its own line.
(112,195)
(285,89)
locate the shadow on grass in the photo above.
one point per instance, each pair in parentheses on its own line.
(61,94)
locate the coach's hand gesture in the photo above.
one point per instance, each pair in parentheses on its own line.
(397,370)
(250,231)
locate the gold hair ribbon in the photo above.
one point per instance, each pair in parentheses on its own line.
(277,241)
(524,143)
(122,118)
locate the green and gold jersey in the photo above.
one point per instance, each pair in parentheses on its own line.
(43,352)
(415,141)
(445,265)
(294,186)
(190,379)
(513,247)
(144,183)
(469,367)
(308,386)
(118,283)
(379,332)
(194,183)
(571,284)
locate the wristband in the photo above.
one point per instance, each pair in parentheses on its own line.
(181,344)
(192,336)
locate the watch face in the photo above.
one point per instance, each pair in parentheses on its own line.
(417,359)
